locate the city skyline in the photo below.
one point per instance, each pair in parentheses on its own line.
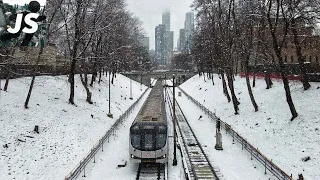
(150,13)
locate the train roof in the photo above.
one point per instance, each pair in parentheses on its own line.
(153,108)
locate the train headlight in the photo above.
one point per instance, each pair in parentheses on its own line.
(132,156)
(164,156)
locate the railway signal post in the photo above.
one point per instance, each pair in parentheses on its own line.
(174,163)
(218,145)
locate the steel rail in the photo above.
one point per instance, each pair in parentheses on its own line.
(268,164)
(197,162)
(151,171)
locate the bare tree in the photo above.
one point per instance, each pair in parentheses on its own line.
(301,13)
(245,42)
(278,42)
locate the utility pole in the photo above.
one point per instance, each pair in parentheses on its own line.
(174,163)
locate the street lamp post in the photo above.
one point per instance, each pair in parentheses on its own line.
(131,89)
(109,114)
(140,81)
(165,86)
(140,59)
(174,163)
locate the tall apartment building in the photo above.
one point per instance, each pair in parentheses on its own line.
(182,40)
(166,19)
(144,41)
(164,41)
(189,28)
(169,46)
(160,55)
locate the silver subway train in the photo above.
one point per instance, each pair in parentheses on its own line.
(149,131)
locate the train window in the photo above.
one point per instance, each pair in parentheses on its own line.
(135,127)
(161,140)
(162,129)
(136,140)
(148,142)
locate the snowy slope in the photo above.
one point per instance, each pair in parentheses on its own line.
(270,129)
(233,162)
(66,132)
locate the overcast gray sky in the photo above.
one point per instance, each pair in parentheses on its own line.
(22,2)
(150,13)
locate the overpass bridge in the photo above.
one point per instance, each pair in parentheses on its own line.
(145,76)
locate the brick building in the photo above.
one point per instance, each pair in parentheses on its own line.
(310,45)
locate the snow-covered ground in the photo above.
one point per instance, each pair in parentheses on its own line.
(67,132)
(233,162)
(269,129)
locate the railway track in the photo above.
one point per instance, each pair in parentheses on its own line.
(151,171)
(198,163)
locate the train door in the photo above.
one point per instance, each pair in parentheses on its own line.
(148,144)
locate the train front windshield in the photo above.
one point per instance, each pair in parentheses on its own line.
(148,137)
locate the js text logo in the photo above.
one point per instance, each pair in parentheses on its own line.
(28,20)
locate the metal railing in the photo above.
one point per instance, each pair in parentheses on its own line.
(91,155)
(268,164)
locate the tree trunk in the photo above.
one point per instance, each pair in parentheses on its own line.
(94,74)
(288,95)
(30,90)
(86,78)
(112,76)
(89,94)
(212,79)
(224,85)
(234,98)
(270,81)
(75,50)
(278,48)
(7,79)
(100,72)
(249,87)
(236,68)
(33,77)
(254,73)
(267,79)
(301,60)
